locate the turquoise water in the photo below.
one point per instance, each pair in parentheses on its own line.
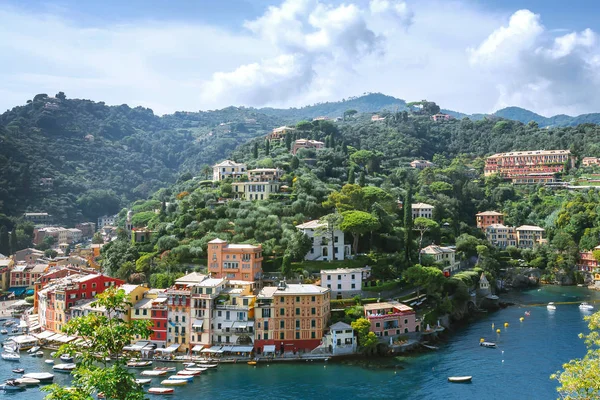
(519,368)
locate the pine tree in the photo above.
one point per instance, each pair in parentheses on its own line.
(13,241)
(267,147)
(255,150)
(408,225)
(351,176)
(4,241)
(361,179)
(288,141)
(294,163)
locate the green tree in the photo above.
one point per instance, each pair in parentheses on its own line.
(97,238)
(267,147)
(255,150)
(361,179)
(297,246)
(423,225)
(349,113)
(367,340)
(408,225)
(105,334)
(50,253)
(351,176)
(4,241)
(166,243)
(579,378)
(332,223)
(430,278)
(286,267)
(13,241)
(288,141)
(358,223)
(295,163)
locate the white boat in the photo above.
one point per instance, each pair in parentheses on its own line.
(27,381)
(66,358)
(189,372)
(10,356)
(38,354)
(189,364)
(160,390)
(34,349)
(11,385)
(143,381)
(49,361)
(489,345)
(41,376)
(174,382)
(195,369)
(139,364)
(168,369)
(68,367)
(153,373)
(188,378)
(586,306)
(210,366)
(551,306)
(3,331)
(460,379)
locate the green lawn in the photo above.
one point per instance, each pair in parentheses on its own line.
(316,266)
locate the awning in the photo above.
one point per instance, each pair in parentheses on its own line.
(66,339)
(197,323)
(251,323)
(214,349)
(138,346)
(269,348)
(197,347)
(22,324)
(45,334)
(171,349)
(226,348)
(34,327)
(17,291)
(242,349)
(240,324)
(55,338)
(29,292)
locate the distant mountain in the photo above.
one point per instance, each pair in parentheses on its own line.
(525,116)
(372,102)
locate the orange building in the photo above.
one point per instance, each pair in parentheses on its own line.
(291,317)
(487,218)
(587,262)
(241,262)
(529,166)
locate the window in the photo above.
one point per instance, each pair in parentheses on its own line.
(282,299)
(281,324)
(297,299)
(281,312)
(313,323)
(297,335)
(313,311)
(266,326)
(405,322)
(84,286)
(93,285)
(266,336)
(377,324)
(313,335)
(339,285)
(314,298)
(145,312)
(328,278)
(297,324)
(218,313)
(328,286)
(177,318)
(353,276)
(218,326)
(281,335)
(297,311)
(353,286)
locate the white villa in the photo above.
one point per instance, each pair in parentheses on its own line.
(324,248)
(422,210)
(228,169)
(344,282)
(443,255)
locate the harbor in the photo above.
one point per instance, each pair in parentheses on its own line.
(517,358)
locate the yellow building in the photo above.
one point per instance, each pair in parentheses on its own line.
(254,190)
(279,133)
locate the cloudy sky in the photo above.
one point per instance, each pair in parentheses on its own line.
(470,56)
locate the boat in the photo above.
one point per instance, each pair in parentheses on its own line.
(189,372)
(66,358)
(160,390)
(27,381)
(139,364)
(3,331)
(68,367)
(153,373)
(178,377)
(527,313)
(210,366)
(189,364)
(38,354)
(18,370)
(489,345)
(168,369)
(143,381)
(551,306)
(10,356)
(15,330)
(460,379)
(40,376)
(49,361)
(52,354)
(251,362)
(174,382)
(34,349)
(195,369)
(11,385)
(586,306)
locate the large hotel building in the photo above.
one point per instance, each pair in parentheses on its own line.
(529,166)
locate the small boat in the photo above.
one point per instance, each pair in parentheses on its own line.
(139,364)
(188,378)
(251,362)
(153,373)
(38,354)
(527,313)
(27,381)
(18,370)
(195,369)
(160,390)
(489,345)
(68,367)
(41,376)
(551,306)
(168,369)
(210,366)
(3,331)
(174,382)
(460,379)
(189,372)
(11,385)
(586,306)
(52,354)
(15,330)
(143,381)
(34,349)
(189,364)
(66,358)
(10,356)
(49,361)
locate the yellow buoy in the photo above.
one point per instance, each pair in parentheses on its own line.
(497,330)
(506,324)
(481,340)
(522,319)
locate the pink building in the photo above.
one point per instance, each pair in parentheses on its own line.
(391,318)
(441,117)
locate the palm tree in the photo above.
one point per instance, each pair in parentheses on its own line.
(206,171)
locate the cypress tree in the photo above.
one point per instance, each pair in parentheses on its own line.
(267,147)
(351,177)
(294,163)
(288,141)
(361,179)
(255,150)
(4,241)
(13,241)
(408,225)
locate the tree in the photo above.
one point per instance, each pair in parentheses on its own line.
(298,245)
(255,150)
(351,197)
(286,267)
(358,223)
(579,377)
(423,225)
(367,340)
(361,179)
(61,95)
(431,278)
(349,113)
(4,241)
(206,172)
(105,335)
(50,253)
(166,243)
(288,141)
(332,223)
(351,177)
(267,147)
(13,241)
(295,163)
(408,225)
(97,238)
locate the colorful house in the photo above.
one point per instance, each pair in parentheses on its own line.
(487,218)
(391,318)
(241,262)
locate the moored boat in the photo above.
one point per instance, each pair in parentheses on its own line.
(10,356)
(49,361)
(68,367)
(161,390)
(139,364)
(18,370)
(174,382)
(168,369)
(551,306)
(195,369)
(66,358)
(4,331)
(27,381)
(38,354)
(586,306)
(143,381)
(41,376)
(11,385)
(153,373)
(460,379)
(34,349)
(489,345)
(189,372)
(251,362)
(188,378)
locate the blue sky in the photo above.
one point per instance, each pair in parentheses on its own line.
(467,55)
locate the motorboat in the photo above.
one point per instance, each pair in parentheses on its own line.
(34,349)
(489,345)
(66,358)
(209,366)
(168,369)
(9,323)
(11,385)
(15,330)
(189,364)
(139,364)
(551,306)
(188,378)
(251,362)
(189,372)
(527,313)
(143,381)
(52,354)
(460,379)
(586,306)
(38,354)
(153,373)
(49,361)
(4,331)
(195,369)
(68,367)
(160,390)
(10,356)
(43,377)
(27,381)
(174,382)
(18,370)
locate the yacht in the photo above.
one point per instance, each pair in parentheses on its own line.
(551,306)
(10,356)
(586,306)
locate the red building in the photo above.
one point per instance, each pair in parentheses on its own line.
(153,308)
(391,318)
(487,218)
(587,262)
(529,166)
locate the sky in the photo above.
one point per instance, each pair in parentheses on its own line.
(466,55)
